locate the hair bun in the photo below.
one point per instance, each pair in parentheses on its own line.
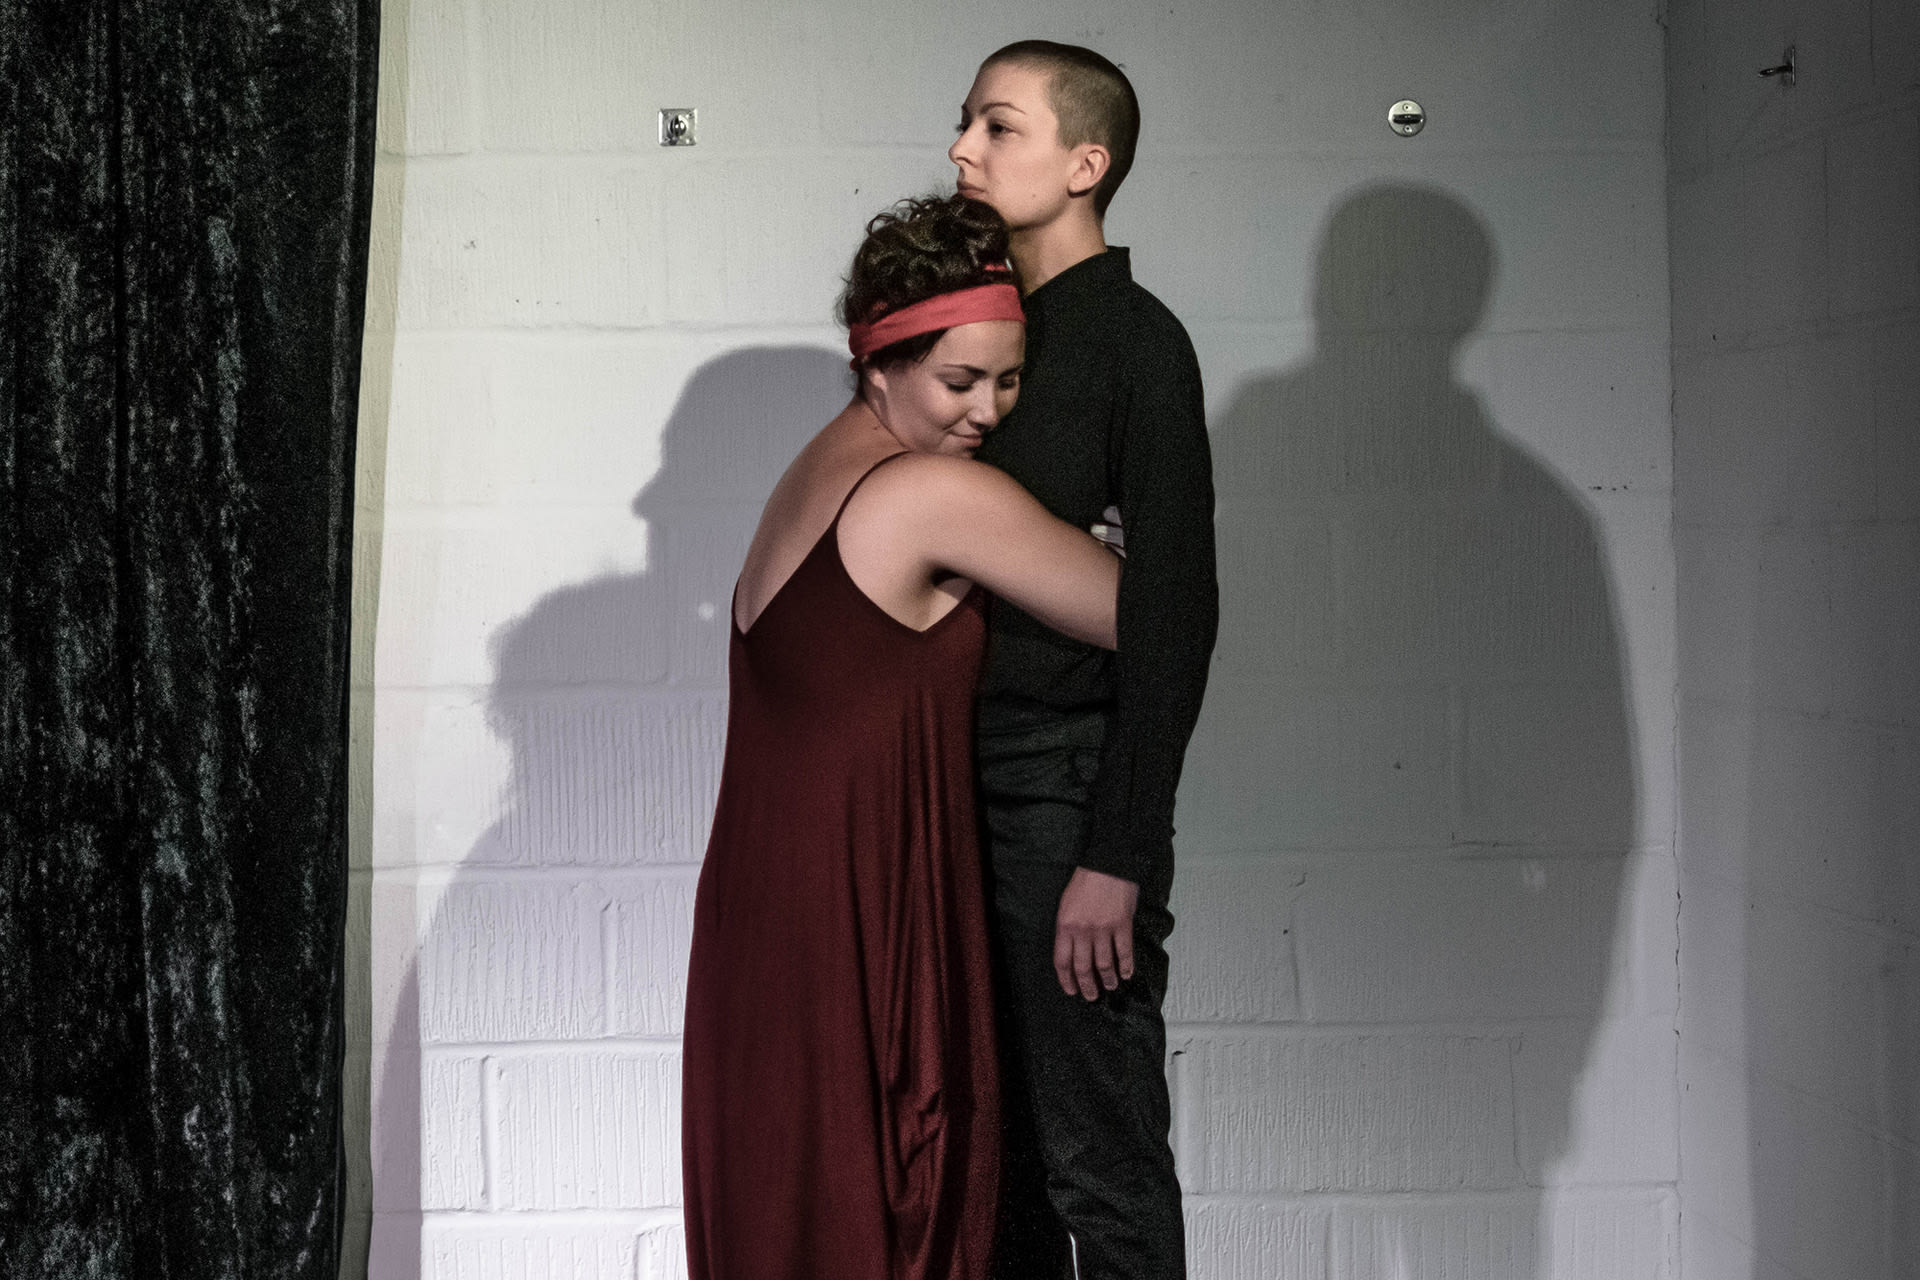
(917,249)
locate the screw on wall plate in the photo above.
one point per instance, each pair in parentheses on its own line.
(1406,117)
(677,126)
(1785,70)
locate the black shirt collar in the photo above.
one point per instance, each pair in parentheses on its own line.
(1089,275)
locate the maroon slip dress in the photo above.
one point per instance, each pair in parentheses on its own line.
(840,1097)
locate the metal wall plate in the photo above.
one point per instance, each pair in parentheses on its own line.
(678,126)
(1406,117)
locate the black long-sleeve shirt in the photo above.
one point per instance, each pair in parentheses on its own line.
(1111,413)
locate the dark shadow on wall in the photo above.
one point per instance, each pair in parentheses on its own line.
(1415,742)
(610,696)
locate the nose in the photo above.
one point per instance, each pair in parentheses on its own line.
(961,152)
(984,412)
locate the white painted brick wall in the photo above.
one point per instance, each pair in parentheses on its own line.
(1422,1012)
(1795,221)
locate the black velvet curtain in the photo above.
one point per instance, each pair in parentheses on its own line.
(185,188)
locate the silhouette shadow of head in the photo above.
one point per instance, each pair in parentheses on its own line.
(583,670)
(1415,762)
(610,696)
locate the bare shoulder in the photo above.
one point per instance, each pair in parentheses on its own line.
(915,480)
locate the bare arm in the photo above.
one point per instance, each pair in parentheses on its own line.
(971,519)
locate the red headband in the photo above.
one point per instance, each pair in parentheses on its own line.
(941,311)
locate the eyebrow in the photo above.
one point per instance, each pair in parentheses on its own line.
(988,106)
(978,372)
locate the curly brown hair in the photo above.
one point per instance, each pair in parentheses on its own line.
(916,250)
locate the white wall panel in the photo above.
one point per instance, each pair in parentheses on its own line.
(1425,903)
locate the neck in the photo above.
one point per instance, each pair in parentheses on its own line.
(1043,252)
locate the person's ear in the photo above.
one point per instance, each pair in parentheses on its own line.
(876,382)
(1090,164)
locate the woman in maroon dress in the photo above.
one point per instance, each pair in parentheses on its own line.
(840,1096)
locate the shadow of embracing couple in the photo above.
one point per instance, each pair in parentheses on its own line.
(1413,786)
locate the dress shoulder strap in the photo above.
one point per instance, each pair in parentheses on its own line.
(862,480)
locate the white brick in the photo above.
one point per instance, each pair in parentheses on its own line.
(1280,767)
(1793,622)
(450,586)
(1708,1251)
(452,1167)
(1815,811)
(1896,416)
(1506,585)
(589,1130)
(1777,435)
(1598,1102)
(769,240)
(1873,214)
(651,932)
(1257,1241)
(1649,940)
(590,75)
(1595,407)
(440,773)
(1831,1012)
(1828,1197)
(663,1254)
(756,70)
(921,70)
(1896,46)
(1689,88)
(1716,1135)
(1235,359)
(1713,993)
(1773,436)
(511,960)
(604,777)
(529,1251)
(1759,618)
(1448,939)
(425,105)
(394,1130)
(1833,40)
(1232,948)
(1276,574)
(1636,541)
(1371,1113)
(1718,583)
(568,74)
(1548,762)
(1579,236)
(659,422)
(1487,1239)
(1748,241)
(1579,1237)
(393,980)
(1876,622)
(1269,84)
(528,242)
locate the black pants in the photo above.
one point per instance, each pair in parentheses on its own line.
(1084,1084)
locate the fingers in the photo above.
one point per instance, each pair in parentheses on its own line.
(1063,960)
(1083,967)
(1073,962)
(1103,959)
(1086,960)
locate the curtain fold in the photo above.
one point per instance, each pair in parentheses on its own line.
(185,188)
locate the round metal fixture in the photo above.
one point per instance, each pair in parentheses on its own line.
(1406,117)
